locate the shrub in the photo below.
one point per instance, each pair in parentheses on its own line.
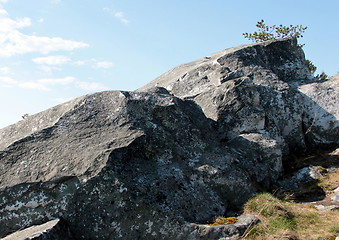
(265,33)
(311,66)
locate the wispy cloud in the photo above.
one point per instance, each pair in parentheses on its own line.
(104,64)
(61,100)
(52,60)
(55,1)
(57,81)
(33,85)
(5,70)
(7,82)
(46,84)
(79,63)
(49,69)
(13,42)
(121,17)
(117,14)
(3,1)
(41,84)
(90,86)
(49,63)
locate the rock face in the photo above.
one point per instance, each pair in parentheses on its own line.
(321,111)
(52,230)
(159,162)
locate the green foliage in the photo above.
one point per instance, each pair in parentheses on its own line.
(265,204)
(311,66)
(288,220)
(282,223)
(322,76)
(265,33)
(278,217)
(224,220)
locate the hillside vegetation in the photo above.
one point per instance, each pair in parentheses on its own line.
(285,217)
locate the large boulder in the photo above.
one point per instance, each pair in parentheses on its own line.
(159,162)
(129,165)
(321,111)
(265,88)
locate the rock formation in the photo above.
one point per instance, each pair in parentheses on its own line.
(160,162)
(52,230)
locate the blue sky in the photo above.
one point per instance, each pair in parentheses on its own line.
(55,50)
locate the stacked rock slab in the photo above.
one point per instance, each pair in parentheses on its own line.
(159,162)
(52,230)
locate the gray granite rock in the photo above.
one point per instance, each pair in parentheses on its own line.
(321,111)
(335,198)
(52,230)
(264,88)
(223,232)
(323,208)
(301,177)
(129,165)
(194,144)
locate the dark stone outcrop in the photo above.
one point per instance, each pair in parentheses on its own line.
(159,162)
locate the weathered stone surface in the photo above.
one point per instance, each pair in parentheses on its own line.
(52,230)
(335,198)
(254,88)
(266,62)
(130,165)
(153,164)
(223,232)
(35,123)
(326,208)
(321,111)
(302,176)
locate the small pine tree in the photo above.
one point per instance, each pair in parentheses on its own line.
(265,33)
(311,66)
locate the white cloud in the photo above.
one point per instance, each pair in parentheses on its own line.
(52,60)
(121,17)
(118,15)
(9,25)
(41,84)
(3,1)
(62,100)
(7,80)
(49,69)
(56,81)
(41,20)
(34,85)
(46,84)
(90,86)
(79,63)
(55,1)
(13,42)
(104,64)
(5,70)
